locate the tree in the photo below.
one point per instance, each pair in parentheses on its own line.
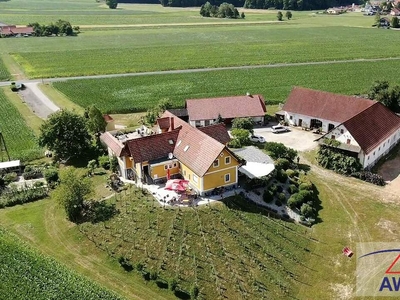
(96,122)
(378,20)
(288,14)
(72,192)
(395,22)
(242,15)
(66,134)
(279,16)
(92,164)
(240,137)
(112,3)
(307,210)
(377,87)
(390,97)
(65,27)
(243,123)
(279,150)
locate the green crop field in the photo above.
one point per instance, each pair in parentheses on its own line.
(26,274)
(4,74)
(132,94)
(231,250)
(20,139)
(138,50)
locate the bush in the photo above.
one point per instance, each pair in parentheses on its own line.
(370,177)
(293,189)
(32,173)
(172,284)
(279,189)
(282,197)
(281,176)
(279,150)
(125,263)
(292,173)
(282,163)
(278,202)
(307,186)
(16,197)
(268,196)
(273,188)
(10,177)
(114,164)
(139,267)
(51,175)
(194,292)
(306,210)
(153,275)
(104,162)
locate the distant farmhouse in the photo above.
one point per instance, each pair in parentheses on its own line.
(204,112)
(14,31)
(365,128)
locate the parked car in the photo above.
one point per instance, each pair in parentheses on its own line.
(257,139)
(279,128)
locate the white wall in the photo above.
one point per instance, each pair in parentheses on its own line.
(342,135)
(370,159)
(306,121)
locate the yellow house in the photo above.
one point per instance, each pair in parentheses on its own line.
(178,150)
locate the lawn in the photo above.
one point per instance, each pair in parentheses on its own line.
(19,137)
(139,50)
(132,94)
(27,274)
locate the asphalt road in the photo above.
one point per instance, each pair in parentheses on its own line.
(279,65)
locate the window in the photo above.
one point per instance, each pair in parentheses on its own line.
(379,149)
(227,160)
(368,157)
(216,163)
(348,141)
(227,177)
(374,153)
(332,137)
(341,131)
(175,164)
(169,166)
(165,167)
(189,176)
(291,117)
(195,178)
(184,172)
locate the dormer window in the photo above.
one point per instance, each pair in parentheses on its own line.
(186,148)
(170,141)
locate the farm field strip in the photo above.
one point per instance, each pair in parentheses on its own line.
(134,94)
(20,139)
(192,48)
(4,73)
(209,246)
(26,274)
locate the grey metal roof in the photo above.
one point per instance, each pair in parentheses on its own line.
(253,154)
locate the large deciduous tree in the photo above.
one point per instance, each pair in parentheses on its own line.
(95,120)
(73,191)
(66,134)
(279,16)
(390,97)
(243,123)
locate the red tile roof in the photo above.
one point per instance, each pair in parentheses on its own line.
(16,30)
(324,105)
(108,118)
(163,123)
(116,146)
(227,107)
(194,148)
(372,126)
(217,132)
(152,147)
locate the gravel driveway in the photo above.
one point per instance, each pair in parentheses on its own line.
(297,139)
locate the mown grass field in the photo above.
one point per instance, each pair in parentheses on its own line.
(232,250)
(138,50)
(27,274)
(133,94)
(20,139)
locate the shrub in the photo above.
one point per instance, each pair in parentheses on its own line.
(278,202)
(51,175)
(293,189)
(146,275)
(172,284)
(273,188)
(153,275)
(306,210)
(282,163)
(194,292)
(139,267)
(16,197)
(268,196)
(292,173)
(282,197)
(279,189)
(104,162)
(125,263)
(32,173)
(114,164)
(10,177)
(370,177)
(281,176)
(307,186)
(279,150)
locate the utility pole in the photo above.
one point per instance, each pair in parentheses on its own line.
(3,148)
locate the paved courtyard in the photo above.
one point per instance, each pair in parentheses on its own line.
(296,138)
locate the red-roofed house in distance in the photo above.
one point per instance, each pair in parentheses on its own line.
(204,112)
(178,150)
(12,30)
(365,128)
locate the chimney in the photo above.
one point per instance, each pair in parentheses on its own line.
(171,123)
(249,95)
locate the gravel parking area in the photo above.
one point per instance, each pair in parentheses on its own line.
(297,139)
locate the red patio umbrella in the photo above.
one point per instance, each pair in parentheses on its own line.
(175,186)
